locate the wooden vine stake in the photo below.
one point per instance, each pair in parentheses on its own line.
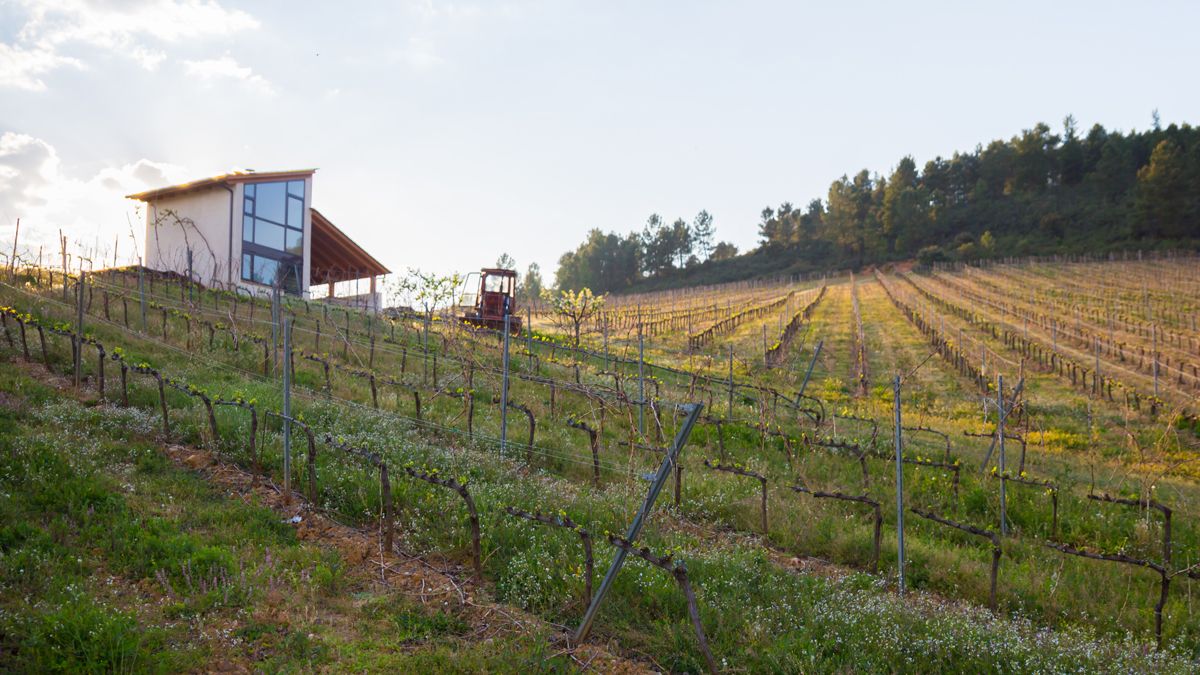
(742,471)
(101,355)
(945,437)
(385,486)
(563,520)
(971,529)
(433,478)
(594,442)
(678,571)
(1164,577)
(196,392)
(862,499)
(239,402)
(1151,504)
(532,428)
(860,452)
(1051,492)
(145,369)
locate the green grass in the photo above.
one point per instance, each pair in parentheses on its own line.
(114,560)
(758,615)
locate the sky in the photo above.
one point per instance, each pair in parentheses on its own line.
(447,133)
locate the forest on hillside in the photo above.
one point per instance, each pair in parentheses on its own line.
(1039,192)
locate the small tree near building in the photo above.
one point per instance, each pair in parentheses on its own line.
(573,309)
(426,291)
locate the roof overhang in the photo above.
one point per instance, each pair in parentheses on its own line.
(226,179)
(335,256)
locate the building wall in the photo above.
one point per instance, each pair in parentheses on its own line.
(200,220)
(197,220)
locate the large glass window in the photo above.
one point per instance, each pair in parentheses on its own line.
(273,234)
(270,202)
(271,272)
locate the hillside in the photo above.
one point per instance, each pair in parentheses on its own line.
(150,513)
(1037,193)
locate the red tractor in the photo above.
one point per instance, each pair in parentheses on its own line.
(495,298)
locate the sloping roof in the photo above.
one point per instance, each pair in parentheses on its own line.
(223,179)
(335,256)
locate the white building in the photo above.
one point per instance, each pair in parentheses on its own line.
(254,230)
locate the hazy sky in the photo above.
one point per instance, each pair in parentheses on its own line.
(446,133)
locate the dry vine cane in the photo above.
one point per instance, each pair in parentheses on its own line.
(679,572)
(1007,436)
(195,392)
(1146,504)
(146,369)
(467,396)
(1164,577)
(431,476)
(971,529)
(739,470)
(929,430)
(862,499)
(860,342)
(563,520)
(662,451)
(860,453)
(955,469)
(238,402)
(385,484)
(117,355)
(594,442)
(1051,492)
(532,425)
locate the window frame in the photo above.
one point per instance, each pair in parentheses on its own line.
(252,250)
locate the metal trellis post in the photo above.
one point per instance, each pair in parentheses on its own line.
(899,487)
(504,388)
(641,379)
(1000,439)
(730,414)
(811,364)
(635,528)
(142,292)
(78,355)
(287,407)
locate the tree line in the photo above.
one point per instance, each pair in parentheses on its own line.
(611,262)
(1039,192)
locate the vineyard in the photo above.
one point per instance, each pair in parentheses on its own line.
(895,470)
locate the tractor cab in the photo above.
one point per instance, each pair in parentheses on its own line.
(488,296)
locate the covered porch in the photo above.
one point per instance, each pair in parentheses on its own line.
(341,271)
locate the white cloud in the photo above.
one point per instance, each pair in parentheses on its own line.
(27,166)
(91,211)
(53,27)
(22,68)
(148,58)
(227,68)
